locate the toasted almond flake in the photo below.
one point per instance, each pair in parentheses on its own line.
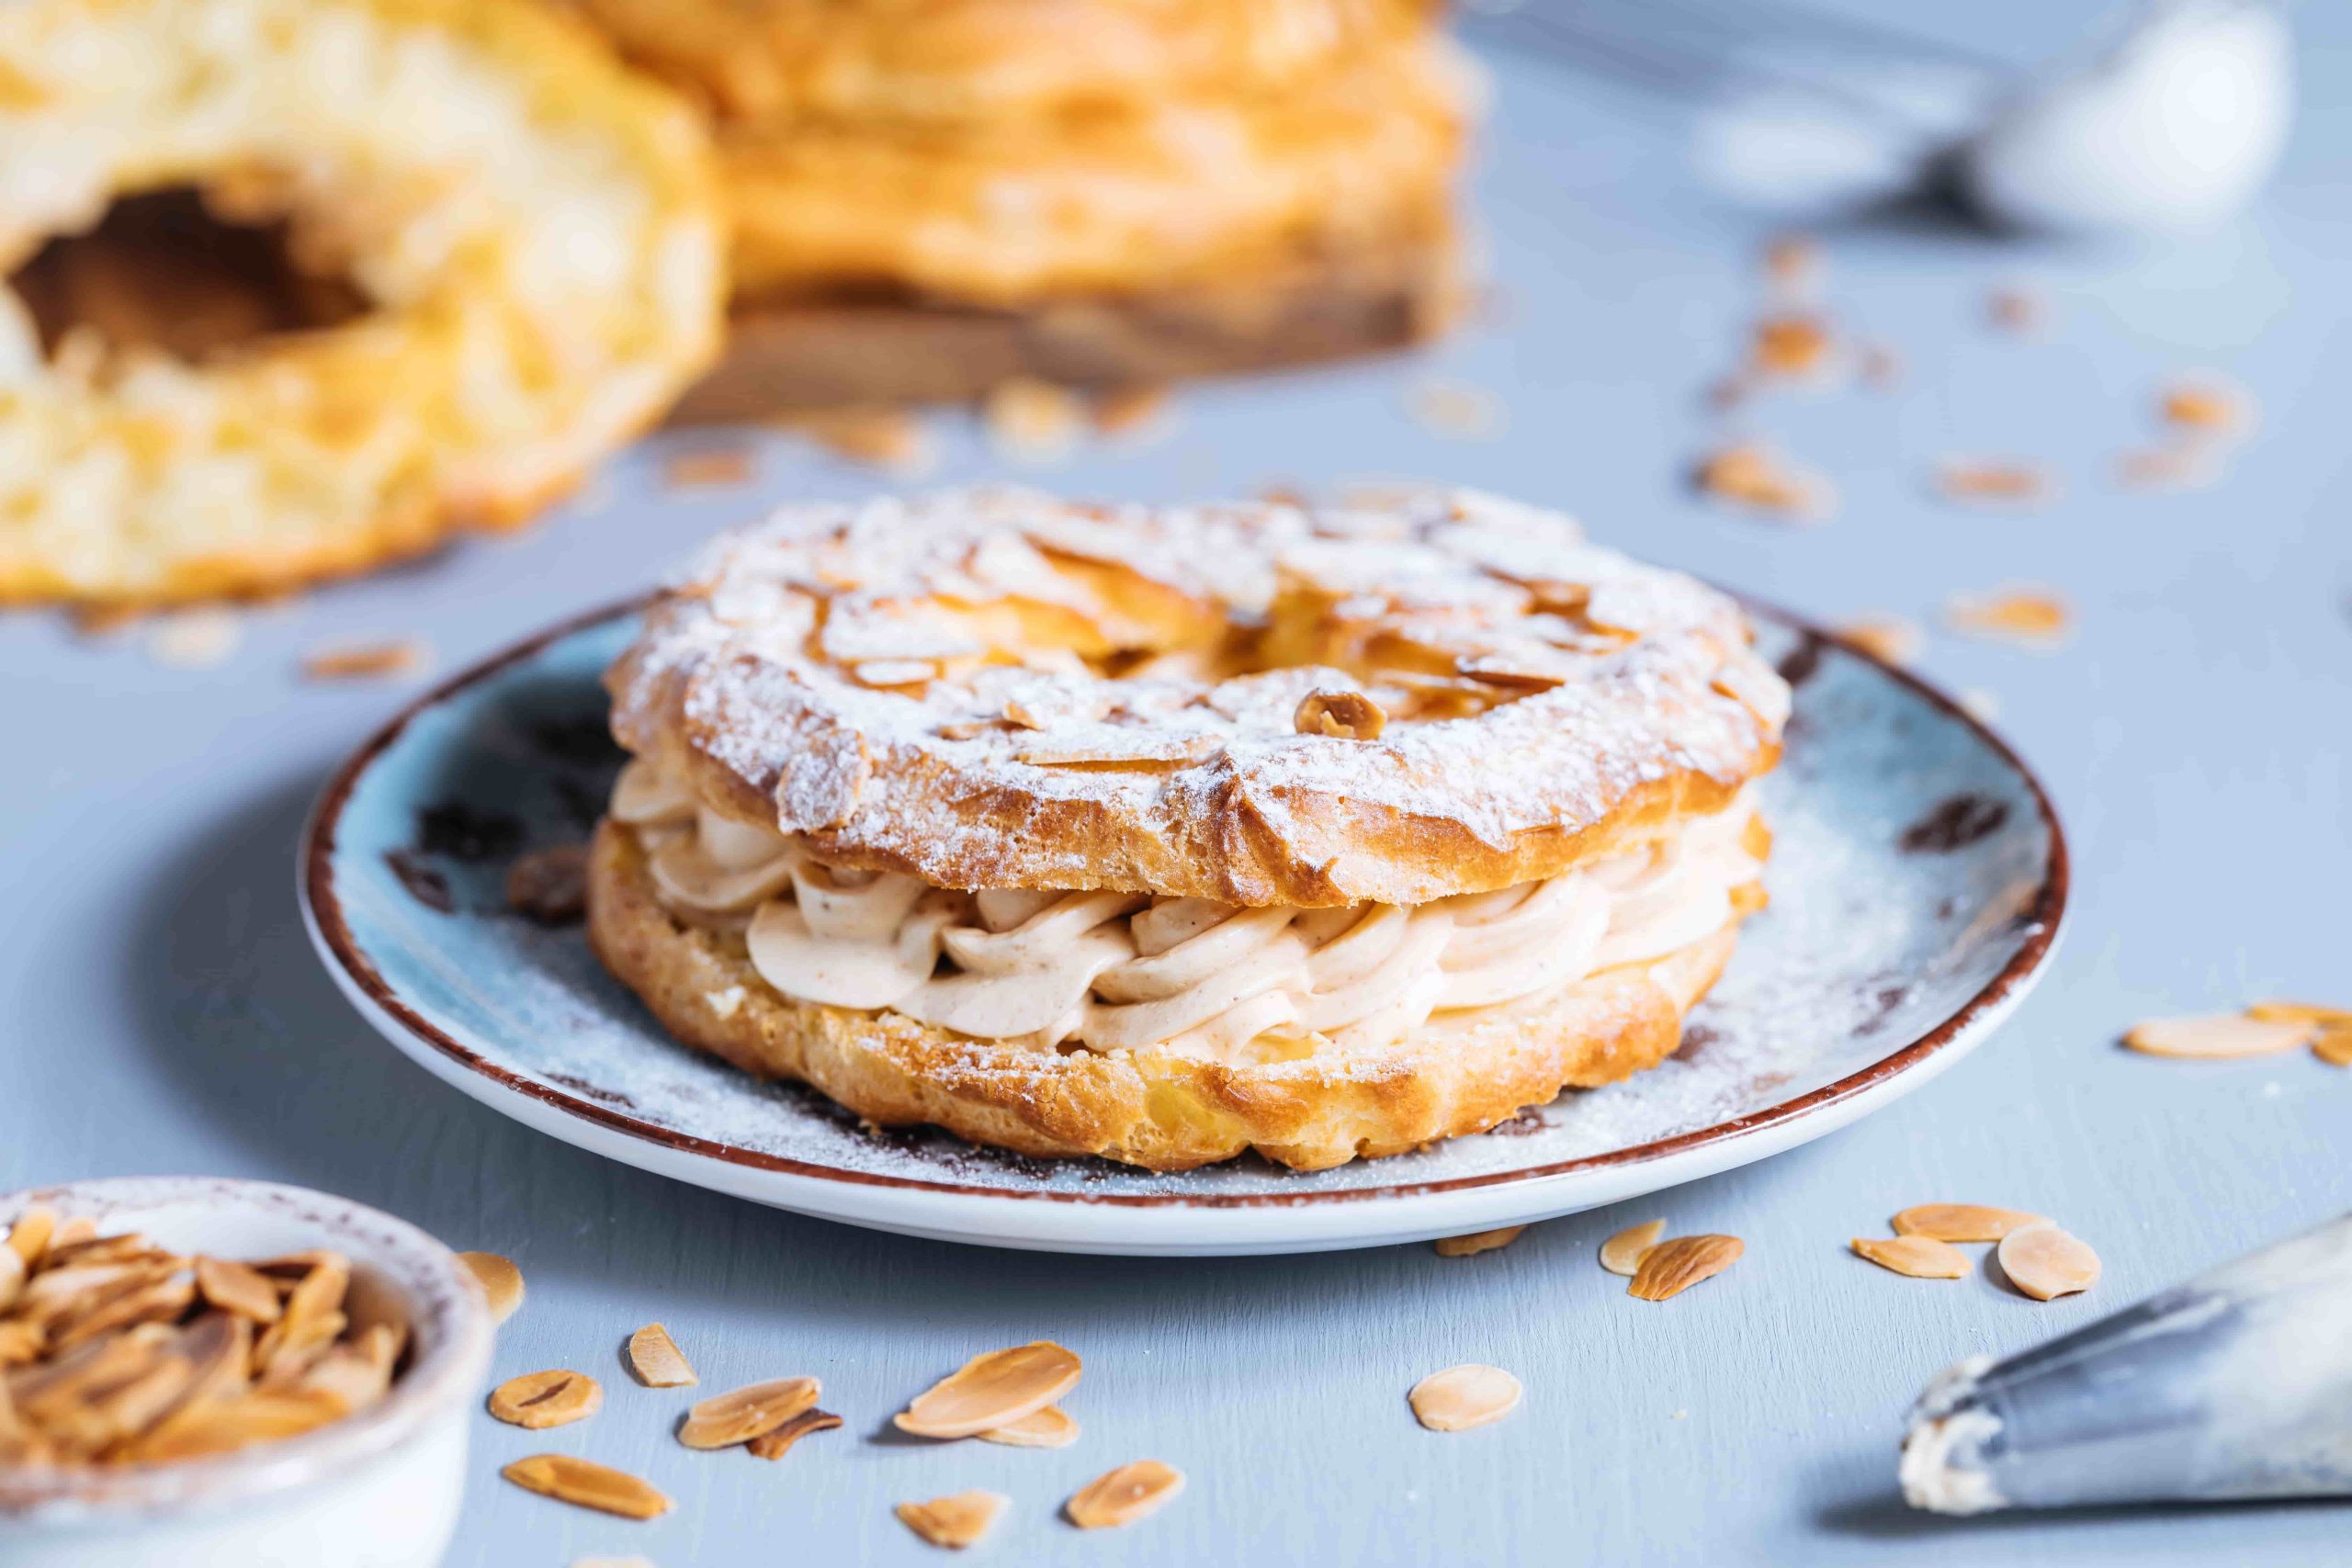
(742,1414)
(2033,615)
(1673,1267)
(365,661)
(2300,1013)
(2334,1046)
(958,1520)
(2017,310)
(1138,747)
(2001,481)
(656,1359)
(12,1277)
(587,1485)
(1621,1254)
(1477,1242)
(313,1319)
(262,1416)
(1346,715)
(1031,421)
(991,1390)
(1456,410)
(891,439)
(1051,1427)
(2045,1262)
(1792,345)
(2220,1035)
(2207,406)
(200,638)
(540,1400)
(29,1237)
(1919,1257)
(549,885)
(1462,1397)
(19,1343)
(233,1287)
(1961,1222)
(711,467)
(1122,1496)
(1888,639)
(499,1281)
(773,1445)
(1753,475)
(155,1301)
(2186,467)
(1132,411)
(357,1372)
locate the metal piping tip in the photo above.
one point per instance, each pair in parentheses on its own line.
(2237,1384)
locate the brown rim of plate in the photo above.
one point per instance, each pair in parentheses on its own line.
(2045,914)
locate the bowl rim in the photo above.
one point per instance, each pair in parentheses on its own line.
(2042,911)
(450,1313)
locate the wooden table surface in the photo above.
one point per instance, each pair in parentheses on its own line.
(164,1013)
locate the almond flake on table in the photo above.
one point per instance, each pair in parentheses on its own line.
(1457,411)
(706,468)
(2334,1046)
(1673,1267)
(739,1415)
(499,1281)
(958,1520)
(1918,1257)
(1460,1398)
(1477,1242)
(1622,1253)
(991,1390)
(2027,614)
(365,661)
(2300,1013)
(536,1401)
(1891,639)
(894,440)
(777,1444)
(2182,467)
(200,638)
(1790,347)
(1122,1496)
(587,1485)
(2206,406)
(1753,475)
(1032,422)
(2045,1262)
(1998,480)
(656,1359)
(2219,1036)
(1133,412)
(2017,310)
(1961,1222)
(1051,1427)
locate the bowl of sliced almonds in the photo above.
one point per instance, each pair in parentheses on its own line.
(209,1374)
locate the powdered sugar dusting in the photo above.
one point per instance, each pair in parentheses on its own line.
(1867,945)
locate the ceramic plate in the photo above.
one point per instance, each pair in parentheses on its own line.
(1917,880)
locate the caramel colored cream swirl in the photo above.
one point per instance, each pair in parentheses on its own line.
(1116,971)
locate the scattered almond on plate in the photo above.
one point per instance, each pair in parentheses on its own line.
(365,661)
(539,1400)
(774,1445)
(1961,1222)
(1476,1242)
(1122,1496)
(499,1281)
(1673,1267)
(1998,480)
(1753,475)
(656,1359)
(1051,1427)
(1918,1257)
(958,1520)
(707,468)
(587,1485)
(2033,615)
(739,1415)
(1462,1397)
(991,1390)
(2045,1262)
(1622,1253)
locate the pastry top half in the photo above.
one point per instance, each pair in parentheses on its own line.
(1403,699)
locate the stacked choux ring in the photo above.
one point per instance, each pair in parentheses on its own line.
(534,234)
(1167,834)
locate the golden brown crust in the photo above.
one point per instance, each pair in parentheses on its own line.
(1152,1107)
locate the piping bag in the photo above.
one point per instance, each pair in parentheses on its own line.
(2237,1384)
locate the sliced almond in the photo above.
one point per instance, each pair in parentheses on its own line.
(234,1287)
(1622,1253)
(992,1390)
(1051,1427)
(2206,407)
(499,1281)
(1476,1242)
(1919,1257)
(1755,476)
(2045,1262)
(2300,1013)
(1961,1222)
(708,469)
(1890,640)
(773,1445)
(958,1520)
(81,1227)
(29,1237)
(587,1485)
(739,1415)
(367,661)
(540,1400)
(1346,715)
(12,1277)
(1998,480)
(1673,1267)
(1792,345)
(2036,617)
(311,1320)
(262,1416)
(2334,1046)
(2221,1035)
(1130,411)
(1462,1397)
(656,1359)
(1457,409)
(1122,1496)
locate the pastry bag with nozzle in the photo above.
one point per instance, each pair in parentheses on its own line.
(2236,1384)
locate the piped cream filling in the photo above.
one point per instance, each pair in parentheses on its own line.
(1117,971)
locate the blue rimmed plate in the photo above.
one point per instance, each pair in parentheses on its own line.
(1917,877)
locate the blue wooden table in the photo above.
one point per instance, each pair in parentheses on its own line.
(164,1011)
